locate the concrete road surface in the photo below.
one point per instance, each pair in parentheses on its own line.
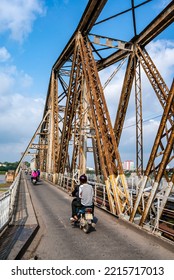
(112,239)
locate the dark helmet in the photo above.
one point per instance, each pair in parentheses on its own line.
(83,178)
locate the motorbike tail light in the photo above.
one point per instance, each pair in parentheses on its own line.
(88,210)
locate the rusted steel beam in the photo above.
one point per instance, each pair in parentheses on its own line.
(107,147)
(139,119)
(87,21)
(124,99)
(74,93)
(160,23)
(54,122)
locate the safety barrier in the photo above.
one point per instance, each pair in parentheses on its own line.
(7,201)
(100,195)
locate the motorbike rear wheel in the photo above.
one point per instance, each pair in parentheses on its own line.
(86,228)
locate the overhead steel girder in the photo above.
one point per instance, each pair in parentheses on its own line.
(160,23)
(164,19)
(87,21)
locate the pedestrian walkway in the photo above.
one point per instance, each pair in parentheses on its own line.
(22,228)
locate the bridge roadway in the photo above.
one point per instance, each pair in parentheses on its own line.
(113,239)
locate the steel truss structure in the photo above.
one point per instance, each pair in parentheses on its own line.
(76,118)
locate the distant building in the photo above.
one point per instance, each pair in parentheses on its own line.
(90,168)
(128,165)
(33,163)
(2,164)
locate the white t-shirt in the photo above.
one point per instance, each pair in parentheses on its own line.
(86,194)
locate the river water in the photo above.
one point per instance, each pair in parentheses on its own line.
(2,179)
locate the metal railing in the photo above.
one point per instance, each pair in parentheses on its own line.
(101,200)
(7,201)
(100,195)
(156,225)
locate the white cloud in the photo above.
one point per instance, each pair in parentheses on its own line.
(20,112)
(25,80)
(17,17)
(20,116)
(6,83)
(4,54)
(12,78)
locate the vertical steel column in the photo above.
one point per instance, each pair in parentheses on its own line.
(77,133)
(53,126)
(74,92)
(139,127)
(83,148)
(49,168)
(41,155)
(124,98)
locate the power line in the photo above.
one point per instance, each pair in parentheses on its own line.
(143,121)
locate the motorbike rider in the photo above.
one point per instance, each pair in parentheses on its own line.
(34,174)
(84,197)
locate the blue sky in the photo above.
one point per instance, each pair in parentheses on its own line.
(33,33)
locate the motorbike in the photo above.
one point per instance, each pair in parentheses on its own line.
(34,181)
(85,219)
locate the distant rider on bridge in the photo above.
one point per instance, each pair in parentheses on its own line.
(34,174)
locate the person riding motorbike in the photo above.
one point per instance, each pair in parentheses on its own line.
(34,175)
(84,197)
